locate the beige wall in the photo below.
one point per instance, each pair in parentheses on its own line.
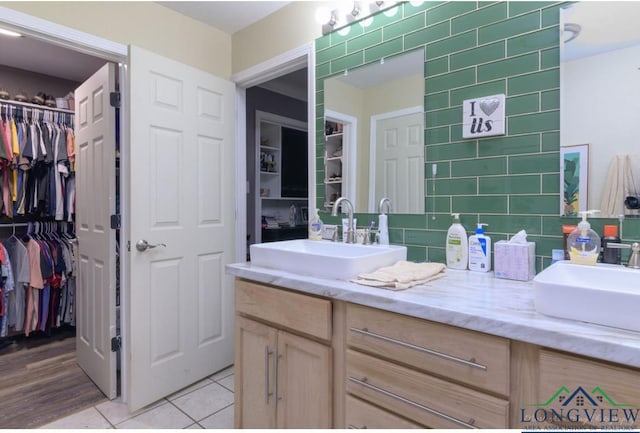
(286,29)
(145,24)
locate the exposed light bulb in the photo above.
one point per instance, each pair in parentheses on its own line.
(323,15)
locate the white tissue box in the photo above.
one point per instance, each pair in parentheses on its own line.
(514,261)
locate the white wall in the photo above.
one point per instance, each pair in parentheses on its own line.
(601,107)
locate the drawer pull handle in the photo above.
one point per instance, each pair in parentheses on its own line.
(420,348)
(267,386)
(412,403)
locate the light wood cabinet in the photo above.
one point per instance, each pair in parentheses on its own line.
(362,415)
(436,375)
(310,362)
(283,373)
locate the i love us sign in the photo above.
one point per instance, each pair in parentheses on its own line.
(483,117)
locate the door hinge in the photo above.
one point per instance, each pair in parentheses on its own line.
(116,343)
(115,221)
(114,99)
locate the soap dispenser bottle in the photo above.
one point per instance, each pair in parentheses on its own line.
(480,250)
(583,243)
(457,248)
(315,227)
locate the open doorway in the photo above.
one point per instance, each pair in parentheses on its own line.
(277,76)
(38,81)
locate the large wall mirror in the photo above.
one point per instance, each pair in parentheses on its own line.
(600,108)
(380,110)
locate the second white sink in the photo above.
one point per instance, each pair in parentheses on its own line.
(325,259)
(602,294)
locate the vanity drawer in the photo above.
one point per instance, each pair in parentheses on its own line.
(618,383)
(302,313)
(362,415)
(424,399)
(467,356)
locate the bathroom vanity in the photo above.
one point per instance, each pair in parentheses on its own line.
(465,351)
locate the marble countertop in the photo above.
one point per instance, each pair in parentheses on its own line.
(471,300)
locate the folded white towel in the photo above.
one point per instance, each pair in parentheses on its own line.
(402,275)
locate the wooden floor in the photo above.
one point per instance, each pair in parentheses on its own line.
(41,382)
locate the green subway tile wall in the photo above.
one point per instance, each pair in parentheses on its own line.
(472,49)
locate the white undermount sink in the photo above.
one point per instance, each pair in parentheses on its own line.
(325,259)
(602,294)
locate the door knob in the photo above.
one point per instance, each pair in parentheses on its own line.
(143,245)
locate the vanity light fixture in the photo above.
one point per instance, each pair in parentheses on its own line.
(348,12)
(571,31)
(10,33)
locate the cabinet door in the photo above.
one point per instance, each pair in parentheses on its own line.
(304,383)
(255,403)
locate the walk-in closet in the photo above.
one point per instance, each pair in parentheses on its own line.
(39,303)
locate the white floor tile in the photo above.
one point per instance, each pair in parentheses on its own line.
(86,419)
(222,419)
(189,389)
(204,401)
(222,373)
(116,411)
(165,416)
(227,382)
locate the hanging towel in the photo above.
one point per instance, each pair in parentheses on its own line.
(402,275)
(618,185)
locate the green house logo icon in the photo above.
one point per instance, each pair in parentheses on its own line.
(580,398)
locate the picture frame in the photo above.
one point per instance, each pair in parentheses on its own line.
(304,214)
(574,179)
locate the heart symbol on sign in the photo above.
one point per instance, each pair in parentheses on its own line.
(488,106)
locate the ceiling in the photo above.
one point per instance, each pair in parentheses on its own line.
(601,30)
(228,16)
(38,56)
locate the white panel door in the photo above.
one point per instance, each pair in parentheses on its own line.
(96,183)
(399,171)
(182,173)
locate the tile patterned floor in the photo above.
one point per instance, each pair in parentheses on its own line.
(207,404)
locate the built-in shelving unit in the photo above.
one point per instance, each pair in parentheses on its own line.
(281,164)
(333,162)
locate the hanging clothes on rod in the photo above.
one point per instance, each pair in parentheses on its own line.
(40,270)
(37,162)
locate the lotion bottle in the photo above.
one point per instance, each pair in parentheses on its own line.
(480,250)
(457,248)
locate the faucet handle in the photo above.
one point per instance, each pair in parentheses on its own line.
(634,258)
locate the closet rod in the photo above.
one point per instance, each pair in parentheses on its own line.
(14,224)
(36,106)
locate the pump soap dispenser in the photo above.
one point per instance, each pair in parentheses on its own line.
(480,250)
(583,244)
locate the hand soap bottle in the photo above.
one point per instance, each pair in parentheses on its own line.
(583,243)
(315,227)
(480,250)
(457,248)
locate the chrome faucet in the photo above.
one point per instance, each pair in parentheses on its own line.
(634,258)
(383,201)
(349,236)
